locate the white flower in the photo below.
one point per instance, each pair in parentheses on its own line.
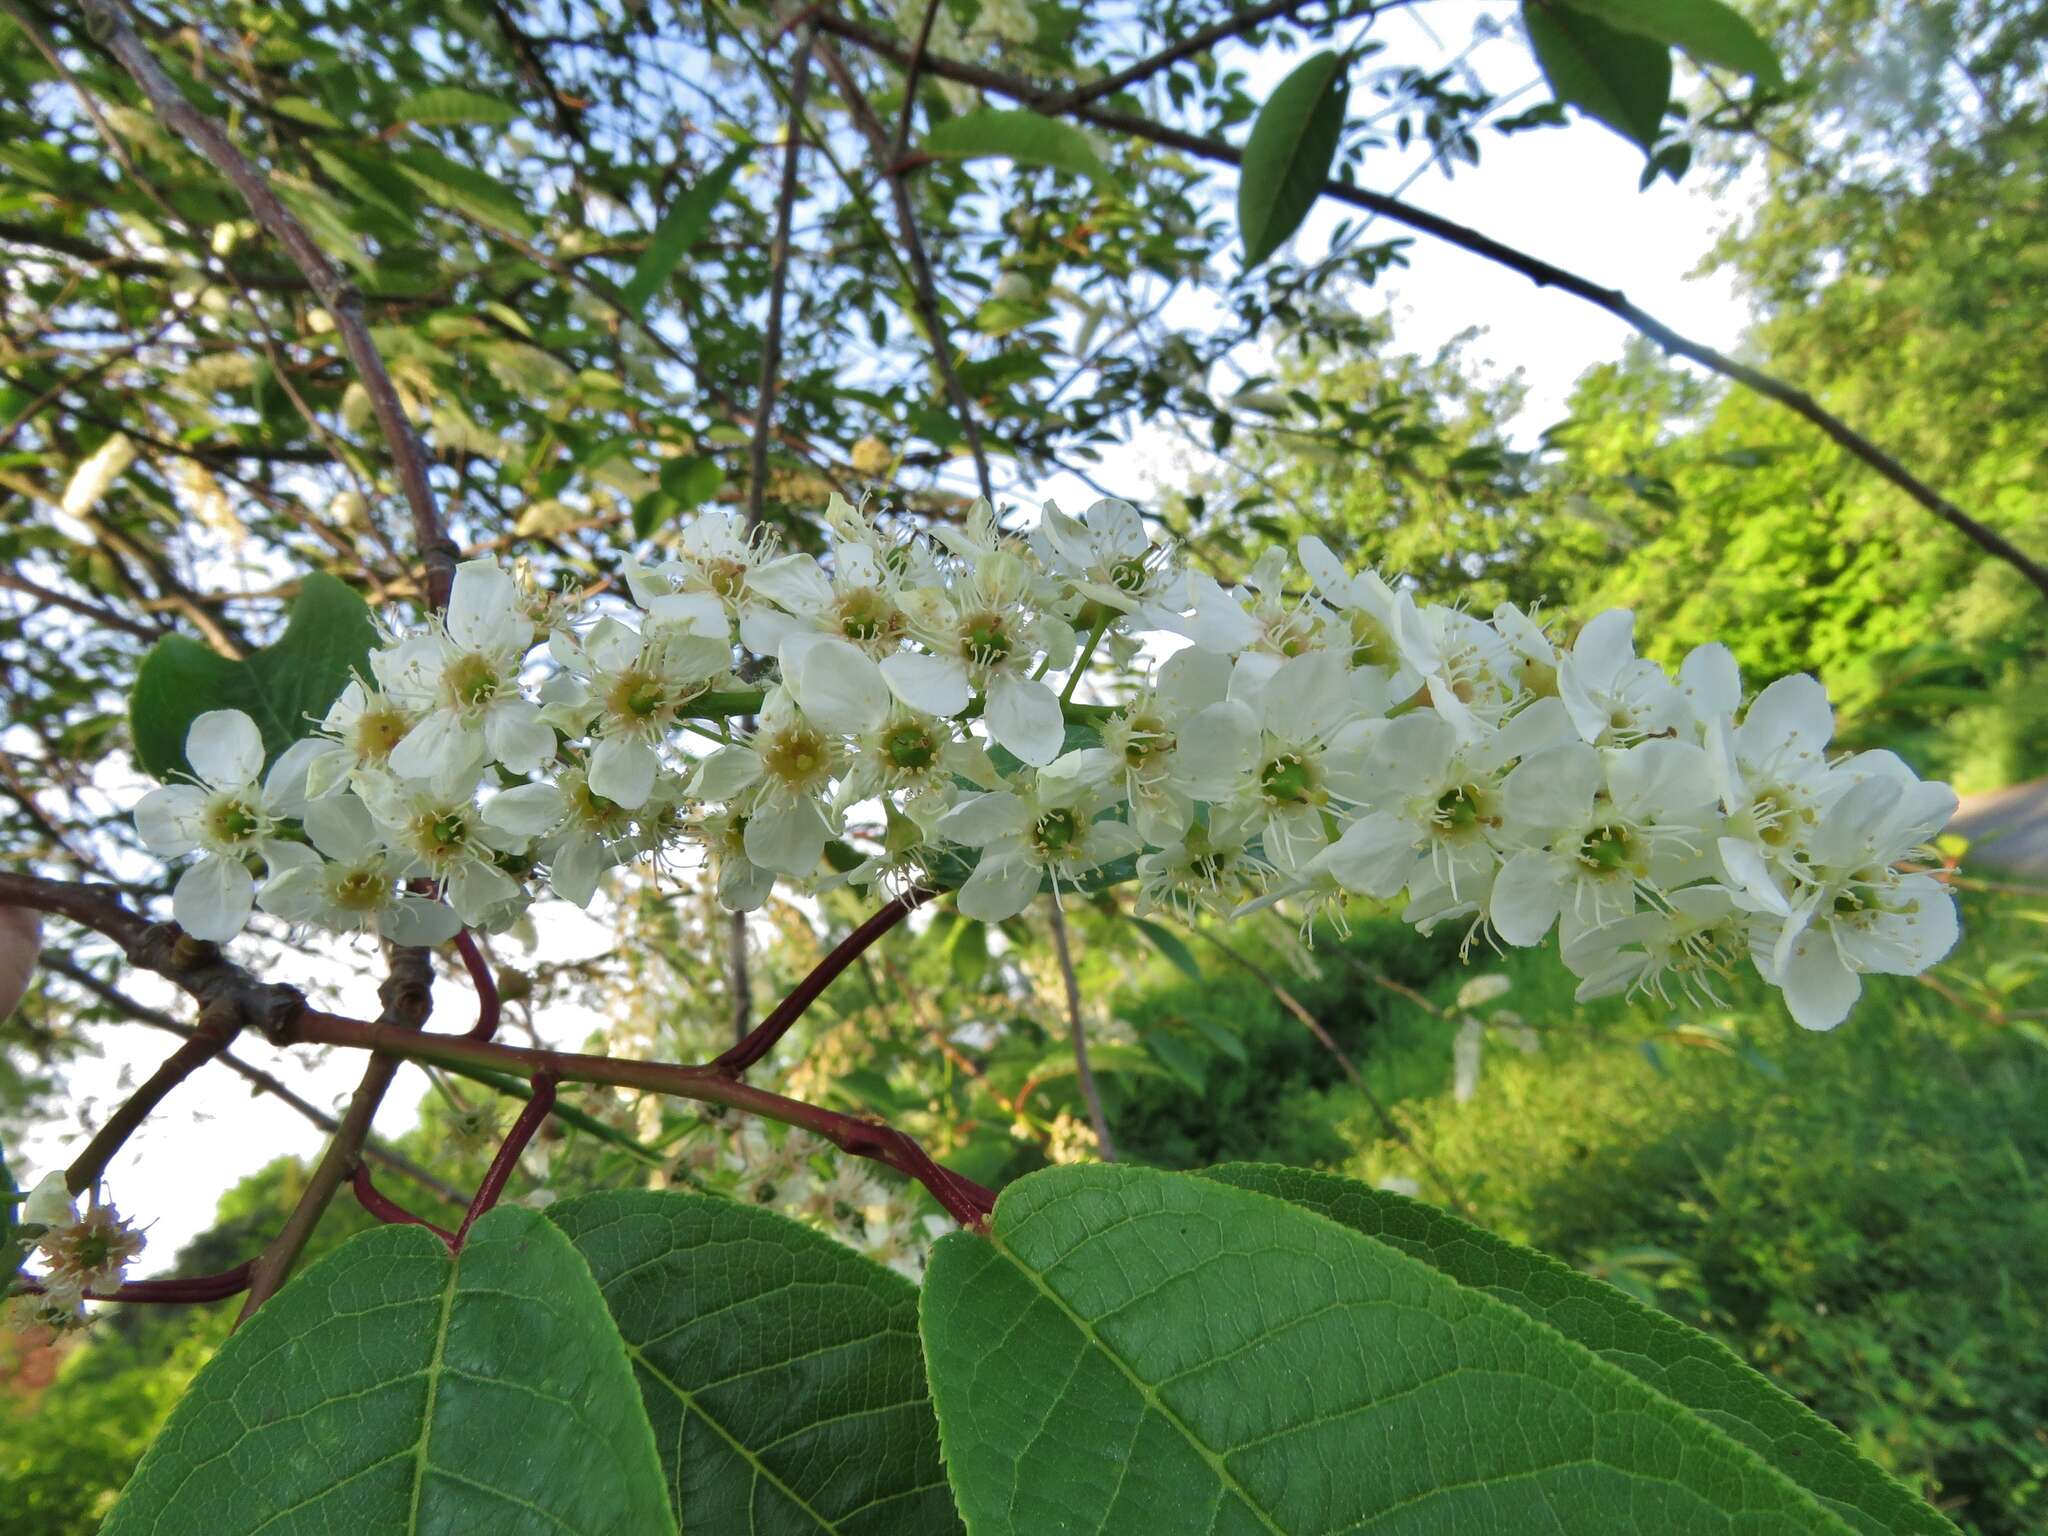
(226,817)
(716,557)
(779,780)
(358,891)
(628,688)
(1615,696)
(1687,941)
(1045,826)
(446,838)
(1105,555)
(579,832)
(464,678)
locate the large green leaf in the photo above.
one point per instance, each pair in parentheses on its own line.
(285,688)
(1711,32)
(680,228)
(1287,159)
(467,190)
(1016,134)
(1680,1362)
(1622,78)
(780,1369)
(1138,1350)
(394,1388)
(452,104)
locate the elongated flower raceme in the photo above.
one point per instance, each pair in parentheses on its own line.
(905,709)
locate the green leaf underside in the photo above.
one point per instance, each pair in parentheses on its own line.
(1136,1350)
(680,228)
(1621,78)
(394,1389)
(1711,32)
(780,1370)
(285,688)
(1683,1364)
(1287,158)
(1016,134)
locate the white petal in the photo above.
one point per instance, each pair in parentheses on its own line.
(1604,647)
(789,839)
(483,608)
(1554,789)
(526,809)
(1789,723)
(936,685)
(439,748)
(475,888)
(517,736)
(694,613)
(224,748)
(1525,900)
(726,773)
(1025,718)
(1191,679)
(1661,780)
(1819,989)
(340,827)
(576,867)
(1373,857)
(165,818)
(611,645)
(1747,868)
(1000,887)
(835,683)
(212,899)
(288,785)
(981,819)
(622,770)
(795,581)
(1711,681)
(763,629)
(743,886)
(418,923)
(1215,749)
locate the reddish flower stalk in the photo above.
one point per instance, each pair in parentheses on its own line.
(388,1210)
(771,1029)
(486,984)
(500,1171)
(184,1288)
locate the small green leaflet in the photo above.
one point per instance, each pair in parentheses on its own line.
(1621,78)
(1170,945)
(1712,33)
(395,1388)
(467,190)
(451,104)
(1288,157)
(1026,137)
(1681,1363)
(1135,1350)
(779,1368)
(680,228)
(285,688)
(686,484)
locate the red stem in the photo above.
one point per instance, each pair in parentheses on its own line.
(771,1029)
(500,1171)
(388,1210)
(486,984)
(228,1282)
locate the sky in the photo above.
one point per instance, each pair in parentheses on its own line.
(1567,195)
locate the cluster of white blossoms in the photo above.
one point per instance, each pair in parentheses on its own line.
(82,1255)
(902,711)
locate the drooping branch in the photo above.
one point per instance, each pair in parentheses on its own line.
(925,289)
(1542,273)
(488,1008)
(110,26)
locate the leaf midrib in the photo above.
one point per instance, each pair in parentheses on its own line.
(435,1365)
(1150,1397)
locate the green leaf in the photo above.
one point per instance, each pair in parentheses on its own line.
(285,688)
(968,953)
(680,228)
(299,109)
(1683,1364)
(467,190)
(1621,78)
(452,104)
(1711,32)
(394,1388)
(11,1250)
(1016,134)
(1171,945)
(1136,1350)
(1288,157)
(780,1369)
(686,484)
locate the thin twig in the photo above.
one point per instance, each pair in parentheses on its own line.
(901,141)
(174,1288)
(216,1030)
(1542,273)
(762,1040)
(515,1143)
(479,968)
(388,1210)
(924,288)
(1090,1094)
(1188,47)
(109,24)
(778,282)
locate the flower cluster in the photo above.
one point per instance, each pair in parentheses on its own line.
(903,710)
(82,1254)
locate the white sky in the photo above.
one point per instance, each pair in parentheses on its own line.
(1567,195)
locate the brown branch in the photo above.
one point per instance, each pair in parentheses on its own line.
(407,995)
(479,968)
(924,288)
(778,279)
(99,615)
(500,1172)
(255,1076)
(910,72)
(108,22)
(1091,1095)
(1539,272)
(175,1288)
(762,1040)
(216,1031)
(1188,47)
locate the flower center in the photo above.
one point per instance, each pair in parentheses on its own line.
(441,836)
(1371,645)
(377,731)
(1128,575)
(865,615)
(985,640)
(1056,831)
(640,701)
(361,889)
(1539,677)
(1288,779)
(233,821)
(796,757)
(470,681)
(1457,810)
(1606,849)
(725,577)
(911,746)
